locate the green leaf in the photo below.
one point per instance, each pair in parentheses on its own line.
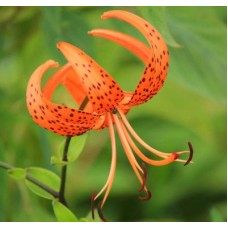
(56,160)
(216,215)
(46,177)
(62,213)
(17,173)
(60,24)
(201,62)
(75,148)
(157,17)
(89,218)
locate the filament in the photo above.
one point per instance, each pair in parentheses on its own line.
(136,167)
(145,145)
(144,177)
(135,135)
(110,179)
(127,149)
(172,157)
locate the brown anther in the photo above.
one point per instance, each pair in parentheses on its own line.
(144,177)
(92,203)
(100,213)
(190,153)
(147,197)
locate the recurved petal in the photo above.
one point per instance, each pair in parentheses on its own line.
(56,118)
(129,42)
(156,69)
(103,92)
(142,25)
(67,76)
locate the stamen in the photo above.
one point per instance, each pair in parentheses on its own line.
(110,179)
(147,197)
(138,139)
(190,153)
(144,177)
(100,213)
(167,160)
(167,156)
(92,204)
(136,167)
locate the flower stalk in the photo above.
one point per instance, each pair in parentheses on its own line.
(64,172)
(65,159)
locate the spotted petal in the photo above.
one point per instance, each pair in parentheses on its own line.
(157,63)
(69,79)
(103,92)
(56,118)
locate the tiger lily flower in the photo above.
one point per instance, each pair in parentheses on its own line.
(106,103)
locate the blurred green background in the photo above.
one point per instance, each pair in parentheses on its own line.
(190,107)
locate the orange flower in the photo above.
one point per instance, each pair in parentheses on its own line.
(107,104)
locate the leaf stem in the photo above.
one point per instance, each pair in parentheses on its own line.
(33,180)
(43,186)
(5,166)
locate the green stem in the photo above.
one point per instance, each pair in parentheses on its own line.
(84,103)
(5,166)
(43,186)
(64,172)
(64,158)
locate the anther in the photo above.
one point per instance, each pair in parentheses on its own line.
(144,177)
(147,197)
(100,213)
(190,153)
(92,203)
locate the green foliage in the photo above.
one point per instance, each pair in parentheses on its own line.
(62,213)
(216,216)
(150,13)
(63,25)
(17,173)
(202,46)
(44,176)
(190,107)
(76,146)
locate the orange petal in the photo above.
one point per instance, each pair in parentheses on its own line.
(134,45)
(157,66)
(56,118)
(103,92)
(68,77)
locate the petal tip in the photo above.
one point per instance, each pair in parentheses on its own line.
(108,14)
(113,14)
(90,32)
(59,44)
(104,15)
(52,63)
